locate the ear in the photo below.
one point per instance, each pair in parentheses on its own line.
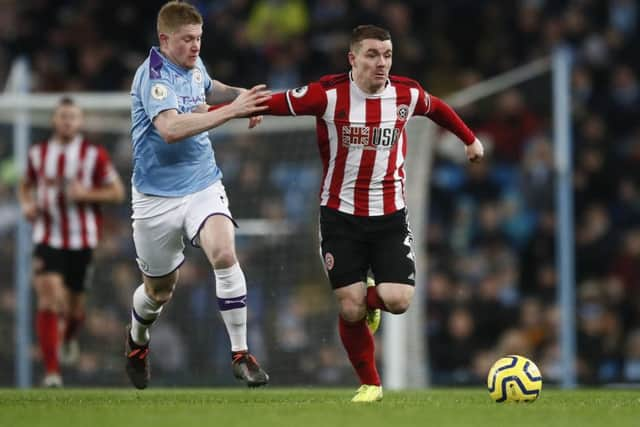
(352,59)
(164,38)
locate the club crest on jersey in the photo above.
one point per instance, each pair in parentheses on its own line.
(197,76)
(299,92)
(403,112)
(329,261)
(159,91)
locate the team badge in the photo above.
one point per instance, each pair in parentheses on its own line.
(328,261)
(159,91)
(299,92)
(197,76)
(403,112)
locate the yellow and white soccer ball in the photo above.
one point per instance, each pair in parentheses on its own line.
(514,379)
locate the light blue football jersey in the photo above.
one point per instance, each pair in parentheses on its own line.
(159,168)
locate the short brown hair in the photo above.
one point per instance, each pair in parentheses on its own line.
(175,14)
(362,32)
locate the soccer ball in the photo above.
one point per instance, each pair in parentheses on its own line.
(514,379)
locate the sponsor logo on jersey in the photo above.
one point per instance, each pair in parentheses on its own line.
(367,138)
(159,91)
(299,92)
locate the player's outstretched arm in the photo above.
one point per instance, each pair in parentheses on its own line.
(441,113)
(174,127)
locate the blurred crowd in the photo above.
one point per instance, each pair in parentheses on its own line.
(491,284)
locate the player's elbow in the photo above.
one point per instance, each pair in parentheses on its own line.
(118,194)
(166,127)
(169,136)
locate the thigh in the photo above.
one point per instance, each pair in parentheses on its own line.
(48,260)
(344,251)
(78,269)
(159,244)
(392,256)
(210,202)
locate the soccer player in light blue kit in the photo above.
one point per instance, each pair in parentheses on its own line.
(177,189)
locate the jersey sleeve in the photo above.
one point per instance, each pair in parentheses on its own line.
(158,95)
(207,81)
(423,106)
(310,100)
(104,173)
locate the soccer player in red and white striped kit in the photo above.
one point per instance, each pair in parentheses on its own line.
(67,177)
(360,124)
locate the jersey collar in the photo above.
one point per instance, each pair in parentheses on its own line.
(157,58)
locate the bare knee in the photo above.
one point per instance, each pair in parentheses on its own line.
(397,297)
(351,302)
(161,289)
(223,257)
(397,306)
(49,292)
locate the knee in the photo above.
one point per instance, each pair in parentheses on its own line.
(398,305)
(352,310)
(223,257)
(398,298)
(161,292)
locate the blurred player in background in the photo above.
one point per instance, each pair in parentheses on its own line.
(177,188)
(67,178)
(361,118)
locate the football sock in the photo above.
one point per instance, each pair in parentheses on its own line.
(144,312)
(358,342)
(231,290)
(374,300)
(47,329)
(72,325)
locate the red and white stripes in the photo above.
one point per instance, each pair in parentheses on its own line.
(62,223)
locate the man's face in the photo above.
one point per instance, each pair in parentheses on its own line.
(183,45)
(371,62)
(67,121)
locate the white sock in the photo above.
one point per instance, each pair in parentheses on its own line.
(231,290)
(144,312)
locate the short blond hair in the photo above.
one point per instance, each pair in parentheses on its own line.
(175,14)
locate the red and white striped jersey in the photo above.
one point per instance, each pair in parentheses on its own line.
(362,139)
(51,166)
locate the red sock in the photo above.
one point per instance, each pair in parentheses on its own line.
(72,325)
(374,300)
(358,341)
(47,328)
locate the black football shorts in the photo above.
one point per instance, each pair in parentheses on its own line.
(352,245)
(73,265)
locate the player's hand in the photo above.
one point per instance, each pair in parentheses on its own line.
(201,108)
(475,151)
(250,101)
(76,192)
(254,121)
(30,211)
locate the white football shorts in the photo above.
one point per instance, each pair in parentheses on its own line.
(160,223)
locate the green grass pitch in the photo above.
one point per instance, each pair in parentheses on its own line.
(310,407)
